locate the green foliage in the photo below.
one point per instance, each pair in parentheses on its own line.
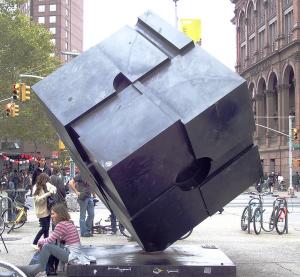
(25,48)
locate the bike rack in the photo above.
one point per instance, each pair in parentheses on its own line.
(6,201)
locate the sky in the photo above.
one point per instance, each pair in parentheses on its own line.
(104,17)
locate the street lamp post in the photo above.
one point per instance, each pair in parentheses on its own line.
(176,16)
(291,188)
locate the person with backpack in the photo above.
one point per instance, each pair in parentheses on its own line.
(86,204)
(57,181)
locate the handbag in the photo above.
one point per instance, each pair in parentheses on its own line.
(50,202)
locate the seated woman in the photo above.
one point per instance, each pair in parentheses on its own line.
(65,231)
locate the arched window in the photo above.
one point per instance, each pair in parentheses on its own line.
(251,18)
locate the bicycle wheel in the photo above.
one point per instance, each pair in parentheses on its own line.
(2,225)
(8,221)
(186,235)
(272,219)
(280,220)
(257,219)
(244,219)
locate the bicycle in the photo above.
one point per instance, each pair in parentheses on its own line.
(253,212)
(15,216)
(281,215)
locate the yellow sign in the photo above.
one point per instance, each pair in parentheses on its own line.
(192,28)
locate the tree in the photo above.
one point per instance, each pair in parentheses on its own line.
(25,47)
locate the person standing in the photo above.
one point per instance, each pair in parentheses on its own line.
(41,192)
(42,168)
(296,180)
(86,204)
(271,181)
(57,181)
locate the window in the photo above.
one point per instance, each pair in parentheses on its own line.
(261,12)
(252,47)
(41,8)
(67,12)
(243,55)
(287,3)
(66,46)
(272,33)
(251,18)
(67,23)
(52,19)
(52,7)
(41,20)
(52,30)
(272,8)
(66,34)
(242,27)
(272,165)
(261,41)
(288,22)
(53,41)
(67,2)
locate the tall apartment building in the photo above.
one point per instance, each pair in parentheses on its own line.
(268,57)
(64,18)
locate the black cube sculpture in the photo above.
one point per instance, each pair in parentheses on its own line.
(162,130)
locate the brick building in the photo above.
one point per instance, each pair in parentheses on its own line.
(64,18)
(268,57)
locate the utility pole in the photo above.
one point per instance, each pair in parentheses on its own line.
(290,138)
(176,16)
(291,188)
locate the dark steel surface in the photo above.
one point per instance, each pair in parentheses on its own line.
(162,130)
(130,260)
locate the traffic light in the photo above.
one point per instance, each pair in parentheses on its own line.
(16,91)
(15,110)
(61,145)
(296,162)
(25,92)
(295,133)
(8,109)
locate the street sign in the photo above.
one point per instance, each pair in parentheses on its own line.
(296,146)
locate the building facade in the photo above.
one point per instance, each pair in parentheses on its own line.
(268,57)
(63,18)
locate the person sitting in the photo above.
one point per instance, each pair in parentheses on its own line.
(65,231)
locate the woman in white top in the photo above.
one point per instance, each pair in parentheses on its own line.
(41,191)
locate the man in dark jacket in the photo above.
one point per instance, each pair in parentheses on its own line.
(57,181)
(42,167)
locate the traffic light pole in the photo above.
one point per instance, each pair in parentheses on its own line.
(291,117)
(291,188)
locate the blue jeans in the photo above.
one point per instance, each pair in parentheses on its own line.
(86,223)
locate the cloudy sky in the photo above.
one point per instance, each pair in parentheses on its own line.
(104,17)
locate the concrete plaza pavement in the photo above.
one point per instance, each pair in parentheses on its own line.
(267,254)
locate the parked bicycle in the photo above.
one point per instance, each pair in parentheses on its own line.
(15,215)
(254,213)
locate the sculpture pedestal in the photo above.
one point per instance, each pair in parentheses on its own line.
(177,260)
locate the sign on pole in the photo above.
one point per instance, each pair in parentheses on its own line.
(192,28)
